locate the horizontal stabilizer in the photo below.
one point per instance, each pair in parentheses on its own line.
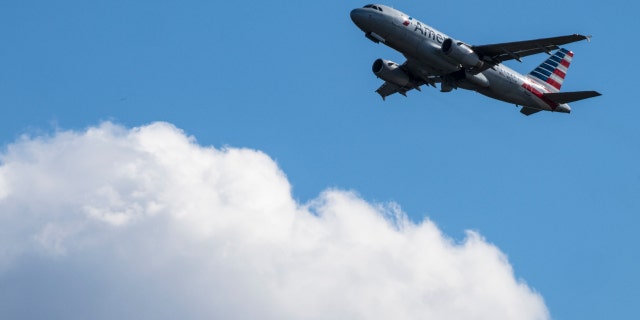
(529,111)
(566,97)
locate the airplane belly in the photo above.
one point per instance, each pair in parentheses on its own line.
(420,49)
(503,87)
(430,54)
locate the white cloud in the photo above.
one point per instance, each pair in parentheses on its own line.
(145,223)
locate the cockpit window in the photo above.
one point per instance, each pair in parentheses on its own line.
(373,7)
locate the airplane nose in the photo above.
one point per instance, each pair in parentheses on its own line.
(359,17)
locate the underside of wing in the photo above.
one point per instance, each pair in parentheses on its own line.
(496,53)
(400,78)
(388,88)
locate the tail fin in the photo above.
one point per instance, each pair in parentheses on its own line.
(552,72)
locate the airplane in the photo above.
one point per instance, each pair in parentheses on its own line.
(434,57)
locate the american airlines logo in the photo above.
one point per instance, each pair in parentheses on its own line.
(427,32)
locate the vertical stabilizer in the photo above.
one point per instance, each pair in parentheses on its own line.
(551,73)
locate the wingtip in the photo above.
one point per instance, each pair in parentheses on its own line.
(588,38)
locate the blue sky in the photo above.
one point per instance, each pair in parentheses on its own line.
(558,194)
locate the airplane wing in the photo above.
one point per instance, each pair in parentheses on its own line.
(418,76)
(496,53)
(388,88)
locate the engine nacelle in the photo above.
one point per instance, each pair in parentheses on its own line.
(391,72)
(461,53)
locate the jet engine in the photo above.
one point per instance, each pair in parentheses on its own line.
(391,72)
(461,53)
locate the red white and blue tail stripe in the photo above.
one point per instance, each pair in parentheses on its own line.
(551,73)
